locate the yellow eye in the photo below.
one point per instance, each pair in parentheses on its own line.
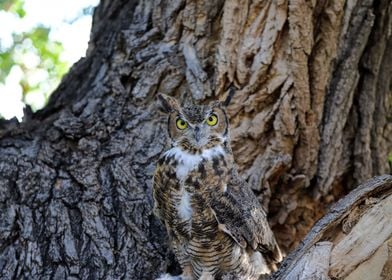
(181,124)
(212,120)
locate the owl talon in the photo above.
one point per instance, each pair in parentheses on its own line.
(187,274)
(206,276)
(167,276)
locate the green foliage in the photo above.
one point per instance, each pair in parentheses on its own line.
(6,63)
(35,54)
(13,6)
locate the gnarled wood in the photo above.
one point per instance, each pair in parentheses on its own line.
(350,234)
(310,117)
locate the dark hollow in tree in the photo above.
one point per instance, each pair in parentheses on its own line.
(311,118)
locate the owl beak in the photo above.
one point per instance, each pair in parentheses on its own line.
(197,134)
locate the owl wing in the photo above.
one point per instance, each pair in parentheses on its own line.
(158,194)
(162,184)
(240,215)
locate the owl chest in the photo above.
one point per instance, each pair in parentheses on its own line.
(196,180)
(192,213)
(194,176)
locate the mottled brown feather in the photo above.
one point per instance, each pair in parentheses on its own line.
(242,216)
(215,223)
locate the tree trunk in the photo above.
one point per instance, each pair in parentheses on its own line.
(310,118)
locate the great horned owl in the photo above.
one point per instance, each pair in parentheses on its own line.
(216,225)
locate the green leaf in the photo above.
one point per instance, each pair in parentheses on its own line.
(6,62)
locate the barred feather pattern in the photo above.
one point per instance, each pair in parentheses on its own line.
(216,226)
(227,231)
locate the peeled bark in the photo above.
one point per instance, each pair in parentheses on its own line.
(352,241)
(310,118)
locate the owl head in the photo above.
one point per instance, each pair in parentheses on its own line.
(195,127)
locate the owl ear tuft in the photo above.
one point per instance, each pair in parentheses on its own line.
(216,104)
(229,96)
(167,103)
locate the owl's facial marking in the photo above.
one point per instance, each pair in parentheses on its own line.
(195,128)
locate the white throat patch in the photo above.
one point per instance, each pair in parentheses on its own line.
(188,162)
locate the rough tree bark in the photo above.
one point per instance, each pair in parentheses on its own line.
(311,118)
